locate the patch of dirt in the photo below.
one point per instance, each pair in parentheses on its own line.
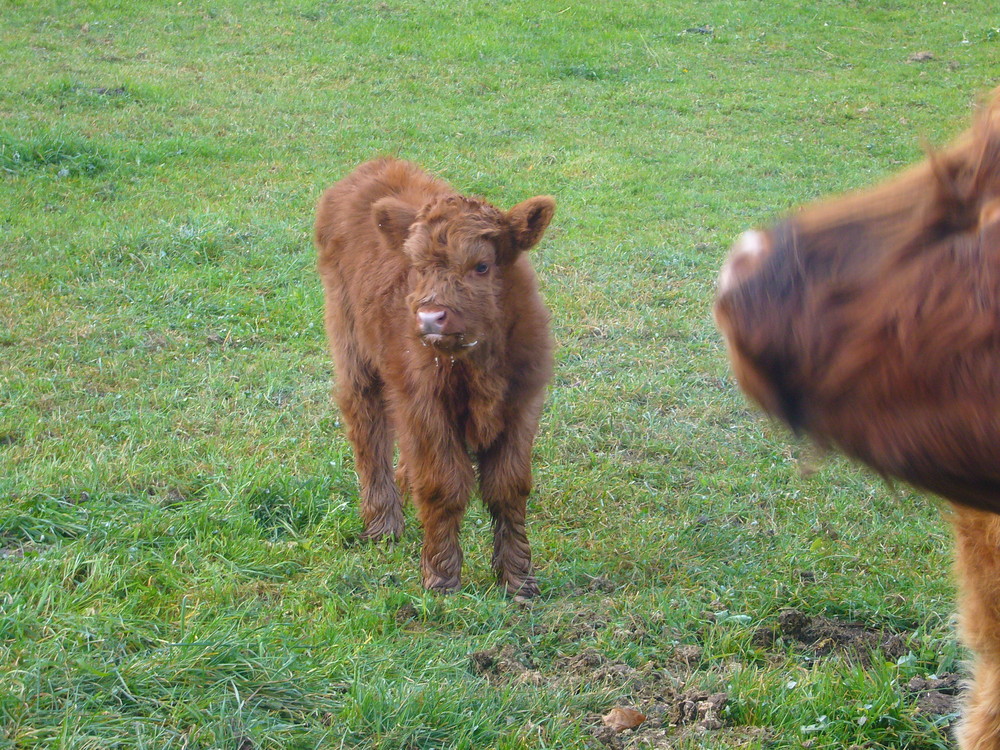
(600,583)
(653,691)
(583,626)
(590,665)
(405,614)
(938,696)
(824,636)
(505,665)
(595,585)
(668,738)
(704,710)
(688,655)
(117,91)
(675,713)
(16,551)
(678,712)
(155,341)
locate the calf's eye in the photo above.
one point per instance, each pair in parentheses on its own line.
(482,268)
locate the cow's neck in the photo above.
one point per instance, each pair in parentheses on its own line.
(472,388)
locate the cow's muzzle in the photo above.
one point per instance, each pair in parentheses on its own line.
(749,251)
(442,328)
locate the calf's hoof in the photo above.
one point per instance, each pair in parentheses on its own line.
(442,584)
(383,528)
(521,588)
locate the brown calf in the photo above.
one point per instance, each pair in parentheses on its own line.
(440,341)
(872,324)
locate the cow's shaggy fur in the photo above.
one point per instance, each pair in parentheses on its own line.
(872,324)
(440,341)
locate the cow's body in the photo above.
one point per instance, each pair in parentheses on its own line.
(440,342)
(872,324)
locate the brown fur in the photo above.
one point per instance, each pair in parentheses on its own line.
(872,324)
(398,248)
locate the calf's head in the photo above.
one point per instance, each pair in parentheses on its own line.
(460,251)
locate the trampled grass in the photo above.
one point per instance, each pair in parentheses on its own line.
(178,564)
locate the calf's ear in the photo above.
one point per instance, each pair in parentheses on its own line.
(393,219)
(528,221)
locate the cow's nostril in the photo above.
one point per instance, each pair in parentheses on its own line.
(748,250)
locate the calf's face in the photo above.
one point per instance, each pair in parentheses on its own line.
(460,250)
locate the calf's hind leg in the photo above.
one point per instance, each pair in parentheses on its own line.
(363,406)
(978,566)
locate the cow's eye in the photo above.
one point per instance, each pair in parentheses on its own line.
(483,268)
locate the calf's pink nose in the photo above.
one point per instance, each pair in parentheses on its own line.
(432,321)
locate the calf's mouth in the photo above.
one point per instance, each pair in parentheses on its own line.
(451,343)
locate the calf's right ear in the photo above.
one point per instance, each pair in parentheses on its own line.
(529,219)
(393,219)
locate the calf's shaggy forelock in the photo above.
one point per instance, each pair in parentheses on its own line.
(441,343)
(871,323)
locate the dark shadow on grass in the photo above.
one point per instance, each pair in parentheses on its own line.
(289,507)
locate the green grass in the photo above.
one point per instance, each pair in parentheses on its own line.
(177,558)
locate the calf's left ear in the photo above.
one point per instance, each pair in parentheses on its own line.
(529,219)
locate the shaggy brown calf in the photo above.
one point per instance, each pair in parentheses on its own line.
(872,324)
(441,341)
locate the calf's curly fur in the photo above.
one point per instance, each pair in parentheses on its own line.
(441,343)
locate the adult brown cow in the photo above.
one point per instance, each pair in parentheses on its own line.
(872,324)
(441,341)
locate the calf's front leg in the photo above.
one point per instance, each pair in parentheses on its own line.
(440,479)
(505,483)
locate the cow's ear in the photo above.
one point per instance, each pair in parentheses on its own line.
(528,221)
(393,219)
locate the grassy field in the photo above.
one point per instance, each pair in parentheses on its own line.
(178,564)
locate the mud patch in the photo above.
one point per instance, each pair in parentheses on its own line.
(937,696)
(12,551)
(687,655)
(704,710)
(669,709)
(588,668)
(591,666)
(601,584)
(666,738)
(674,714)
(505,665)
(406,614)
(824,636)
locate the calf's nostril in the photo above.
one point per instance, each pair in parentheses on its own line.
(432,321)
